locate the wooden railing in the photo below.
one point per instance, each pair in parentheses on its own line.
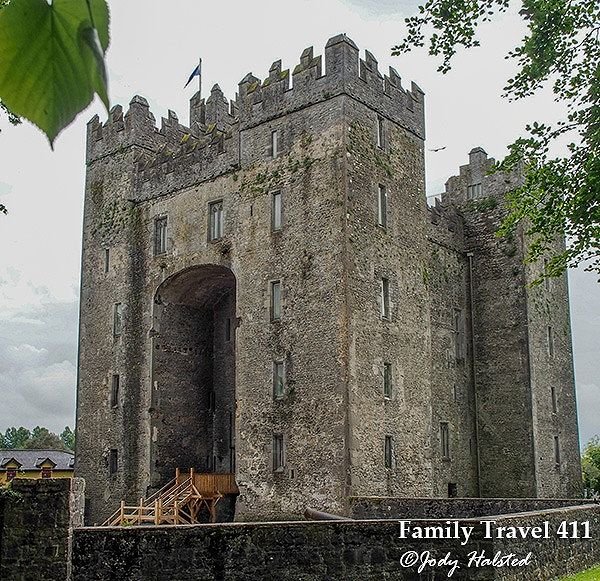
(178,502)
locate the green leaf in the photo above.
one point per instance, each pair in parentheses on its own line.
(52,59)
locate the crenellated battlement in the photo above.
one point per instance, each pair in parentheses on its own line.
(312,80)
(344,73)
(173,155)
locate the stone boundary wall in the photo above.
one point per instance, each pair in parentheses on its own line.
(332,550)
(382,507)
(36,526)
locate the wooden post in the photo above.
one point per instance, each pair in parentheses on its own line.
(176,512)
(156,512)
(122,517)
(140,510)
(213,512)
(176,475)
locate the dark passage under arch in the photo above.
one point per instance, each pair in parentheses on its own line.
(193,373)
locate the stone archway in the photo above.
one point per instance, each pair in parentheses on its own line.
(193,373)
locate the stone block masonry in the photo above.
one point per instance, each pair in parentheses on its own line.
(36,524)
(343,550)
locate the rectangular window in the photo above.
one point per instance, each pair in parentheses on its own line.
(274,143)
(160,235)
(474,191)
(114,390)
(380,132)
(215,220)
(387,380)
(278,379)
(382,206)
(389,452)
(113,461)
(550,341)
(556,451)
(117,319)
(455,392)
(459,333)
(452,489)
(385,298)
(445,439)
(275,300)
(227,330)
(554,398)
(276,211)
(278,453)
(106,260)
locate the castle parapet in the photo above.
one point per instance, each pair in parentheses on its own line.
(345,73)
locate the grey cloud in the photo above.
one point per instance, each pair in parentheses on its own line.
(38,354)
(384,7)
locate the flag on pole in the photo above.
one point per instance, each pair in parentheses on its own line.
(195,73)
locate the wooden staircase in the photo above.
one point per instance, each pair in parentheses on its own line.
(179,502)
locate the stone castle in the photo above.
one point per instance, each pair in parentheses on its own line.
(266,293)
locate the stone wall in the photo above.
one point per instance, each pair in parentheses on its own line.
(344,550)
(36,524)
(408,508)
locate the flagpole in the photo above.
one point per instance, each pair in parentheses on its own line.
(200,77)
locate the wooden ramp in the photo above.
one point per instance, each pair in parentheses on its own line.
(179,502)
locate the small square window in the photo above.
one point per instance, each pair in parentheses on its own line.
(113,461)
(387,380)
(276,214)
(474,191)
(385,298)
(278,453)
(380,132)
(556,451)
(274,143)
(278,379)
(445,439)
(554,398)
(227,330)
(160,235)
(382,206)
(215,219)
(389,452)
(550,341)
(114,391)
(275,300)
(117,319)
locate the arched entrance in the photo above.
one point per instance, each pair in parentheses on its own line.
(193,373)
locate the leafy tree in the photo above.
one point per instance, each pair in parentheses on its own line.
(52,59)
(559,194)
(44,439)
(15,438)
(590,462)
(37,439)
(68,438)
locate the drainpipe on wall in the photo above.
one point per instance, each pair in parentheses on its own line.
(473,369)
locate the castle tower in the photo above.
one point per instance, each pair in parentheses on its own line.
(524,392)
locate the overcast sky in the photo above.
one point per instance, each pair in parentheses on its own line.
(155,45)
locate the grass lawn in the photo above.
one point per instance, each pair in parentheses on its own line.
(589,575)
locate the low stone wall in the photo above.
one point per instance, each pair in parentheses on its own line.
(332,550)
(36,526)
(369,507)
